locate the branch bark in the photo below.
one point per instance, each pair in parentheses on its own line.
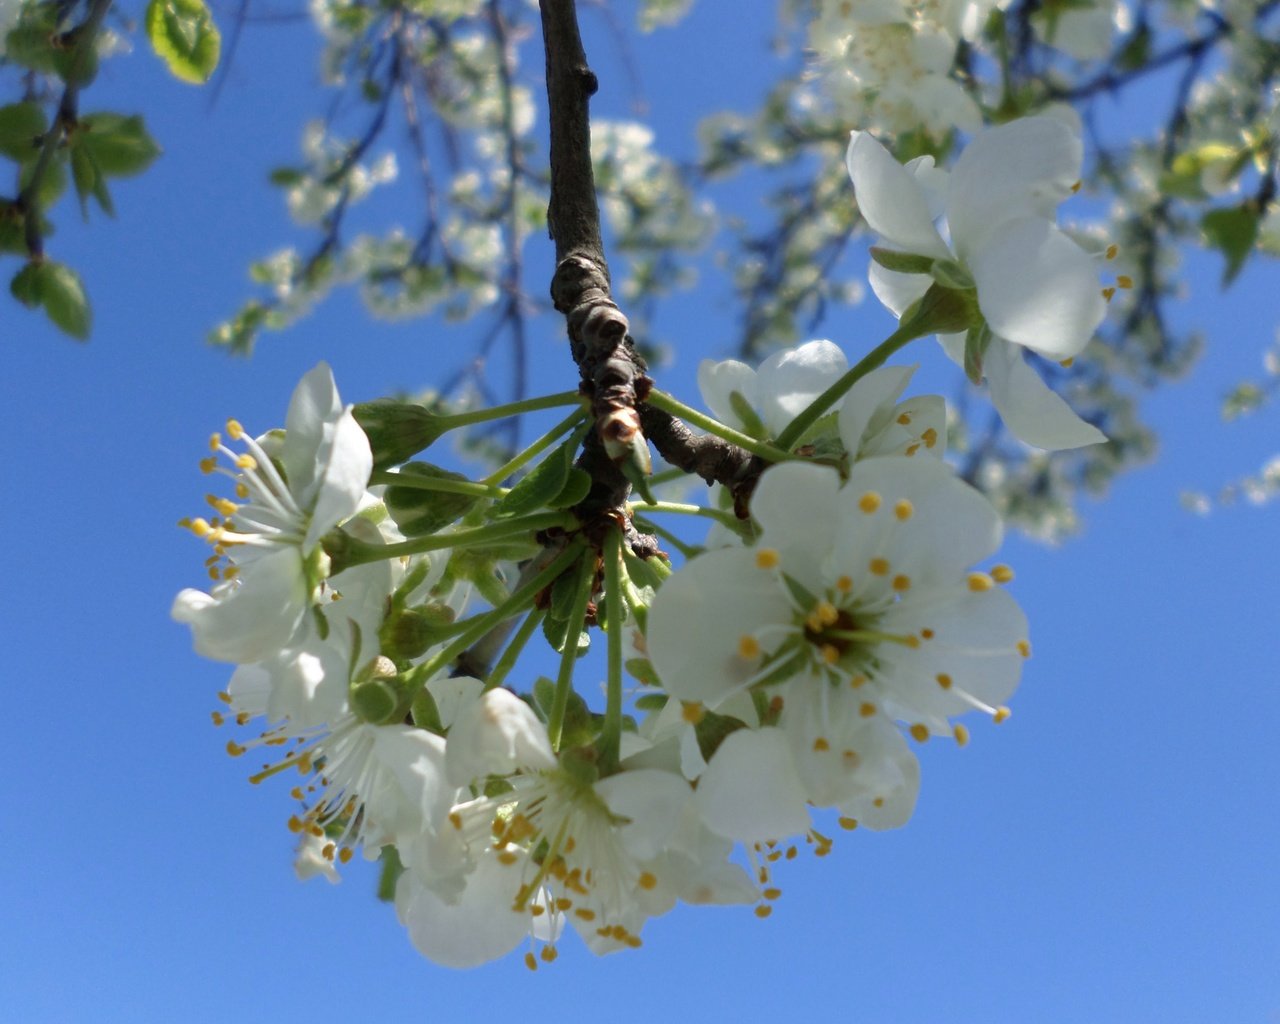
(612,371)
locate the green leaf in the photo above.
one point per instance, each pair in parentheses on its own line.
(183,35)
(22,125)
(541,485)
(57,288)
(418,512)
(119,145)
(1233,230)
(52,184)
(25,286)
(574,490)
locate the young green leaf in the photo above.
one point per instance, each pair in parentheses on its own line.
(119,145)
(1233,230)
(21,127)
(183,35)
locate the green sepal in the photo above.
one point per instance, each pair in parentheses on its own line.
(407,633)
(579,764)
(801,595)
(942,311)
(651,701)
(902,262)
(426,715)
(397,430)
(59,290)
(951,274)
(22,126)
(713,730)
(183,35)
(564,594)
(1233,231)
(976,342)
(419,512)
(389,873)
(751,422)
(639,479)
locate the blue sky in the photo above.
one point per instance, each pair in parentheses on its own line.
(1107,855)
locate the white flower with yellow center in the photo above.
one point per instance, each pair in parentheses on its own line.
(275,567)
(857,602)
(1035,287)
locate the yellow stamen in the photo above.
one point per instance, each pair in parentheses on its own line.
(1002,574)
(820,745)
(867,710)
(1002,715)
(1108,293)
(844,584)
(768,558)
(1124,281)
(1066,364)
(748,647)
(830,654)
(929,437)
(944,680)
(530,962)
(647,880)
(961,734)
(919,732)
(763,910)
(869,502)
(1024,648)
(692,712)
(208,465)
(235,429)
(905,419)
(234,748)
(848,824)
(879,566)
(1113,250)
(902,583)
(980,581)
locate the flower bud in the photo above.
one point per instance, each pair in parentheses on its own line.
(396,430)
(408,633)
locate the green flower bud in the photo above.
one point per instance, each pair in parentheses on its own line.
(397,430)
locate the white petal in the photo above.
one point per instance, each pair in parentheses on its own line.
(481,926)
(343,467)
(897,290)
(651,802)
(1024,168)
(869,399)
(790,380)
(314,407)
(750,791)
(795,504)
(699,616)
(1033,412)
(928,525)
(890,199)
(891,798)
(718,380)
(1037,288)
(251,617)
(496,735)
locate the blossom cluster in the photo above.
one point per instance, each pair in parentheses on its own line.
(377,610)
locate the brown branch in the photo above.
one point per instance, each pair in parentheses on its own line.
(613,373)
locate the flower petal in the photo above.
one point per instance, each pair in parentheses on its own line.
(1033,412)
(789,381)
(1021,169)
(718,380)
(750,791)
(890,200)
(1037,288)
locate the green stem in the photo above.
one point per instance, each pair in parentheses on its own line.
(662,400)
(564,678)
(498,412)
(666,476)
(939,310)
(544,442)
(615,616)
(520,599)
(727,519)
(359,553)
(873,360)
(514,648)
(435,483)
